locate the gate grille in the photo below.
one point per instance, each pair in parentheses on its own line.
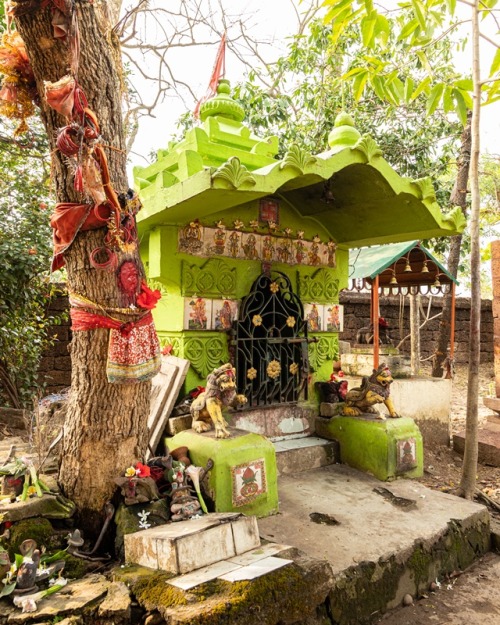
(270,343)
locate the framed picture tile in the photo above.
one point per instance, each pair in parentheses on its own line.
(224,312)
(313,314)
(197,313)
(269,210)
(334,318)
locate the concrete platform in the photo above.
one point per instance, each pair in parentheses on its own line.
(382,540)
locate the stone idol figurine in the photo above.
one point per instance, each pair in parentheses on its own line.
(373,390)
(220,392)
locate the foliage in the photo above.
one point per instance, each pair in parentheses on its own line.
(309,89)
(25,248)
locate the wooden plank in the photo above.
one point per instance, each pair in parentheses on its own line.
(166,390)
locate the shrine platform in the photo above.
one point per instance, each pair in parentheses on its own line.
(382,540)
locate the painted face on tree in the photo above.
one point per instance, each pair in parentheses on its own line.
(128,278)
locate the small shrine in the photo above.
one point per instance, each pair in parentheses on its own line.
(250,251)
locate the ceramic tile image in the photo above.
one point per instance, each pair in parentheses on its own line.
(197,313)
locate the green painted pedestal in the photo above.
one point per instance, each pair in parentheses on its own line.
(244,477)
(387,449)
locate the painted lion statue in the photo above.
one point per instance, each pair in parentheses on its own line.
(373,390)
(220,392)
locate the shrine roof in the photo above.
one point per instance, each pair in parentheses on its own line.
(400,265)
(350,189)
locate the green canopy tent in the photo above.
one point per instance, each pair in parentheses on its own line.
(398,268)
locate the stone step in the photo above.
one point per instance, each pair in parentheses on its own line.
(492,402)
(185,546)
(302,454)
(488,443)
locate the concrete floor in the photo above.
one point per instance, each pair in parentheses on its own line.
(373,523)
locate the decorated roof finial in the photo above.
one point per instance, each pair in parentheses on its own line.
(222,105)
(344,134)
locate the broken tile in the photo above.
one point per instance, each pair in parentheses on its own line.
(271,549)
(256,569)
(245,534)
(201,576)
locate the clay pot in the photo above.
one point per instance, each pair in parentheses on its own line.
(181,455)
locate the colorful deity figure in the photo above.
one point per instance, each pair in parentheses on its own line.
(234,244)
(267,249)
(284,251)
(250,247)
(198,314)
(219,241)
(129,281)
(300,251)
(314,319)
(331,247)
(191,238)
(314,258)
(224,317)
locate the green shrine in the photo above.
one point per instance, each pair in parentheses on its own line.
(250,252)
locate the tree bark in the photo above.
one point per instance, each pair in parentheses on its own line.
(469,467)
(458,197)
(415,333)
(105,429)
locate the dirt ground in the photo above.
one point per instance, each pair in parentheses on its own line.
(471,597)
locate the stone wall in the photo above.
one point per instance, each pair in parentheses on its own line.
(357,315)
(55,366)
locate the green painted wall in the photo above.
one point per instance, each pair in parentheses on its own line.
(222,277)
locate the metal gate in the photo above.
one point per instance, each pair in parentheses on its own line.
(270,343)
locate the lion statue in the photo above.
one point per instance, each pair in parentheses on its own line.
(220,392)
(373,390)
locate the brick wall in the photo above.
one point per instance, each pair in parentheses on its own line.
(357,315)
(55,366)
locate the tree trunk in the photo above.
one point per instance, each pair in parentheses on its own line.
(469,467)
(415,333)
(458,197)
(105,429)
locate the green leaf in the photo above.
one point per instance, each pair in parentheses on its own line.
(378,87)
(464,84)
(408,29)
(359,85)
(7,589)
(461,106)
(368,6)
(419,11)
(382,29)
(451,6)
(337,8)
(434,98)
(423,86)
(368,29)
(448,103)
(408,89)
(495,64)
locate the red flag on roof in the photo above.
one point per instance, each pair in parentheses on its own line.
(218,71)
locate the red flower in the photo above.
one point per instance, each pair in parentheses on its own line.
(167,350)
(147,297)
(142,470)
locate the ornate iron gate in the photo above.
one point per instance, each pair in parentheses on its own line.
(270,343)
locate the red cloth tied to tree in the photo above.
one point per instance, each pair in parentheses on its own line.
(68,219)
(133,350)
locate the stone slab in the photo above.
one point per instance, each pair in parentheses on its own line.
(492,402)
(278,422)
(188,545)
(302,454)
(488,438)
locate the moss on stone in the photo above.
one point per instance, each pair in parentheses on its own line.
(153,592)
(75,568)
(40,530)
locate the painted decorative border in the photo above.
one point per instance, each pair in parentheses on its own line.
(199,240)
